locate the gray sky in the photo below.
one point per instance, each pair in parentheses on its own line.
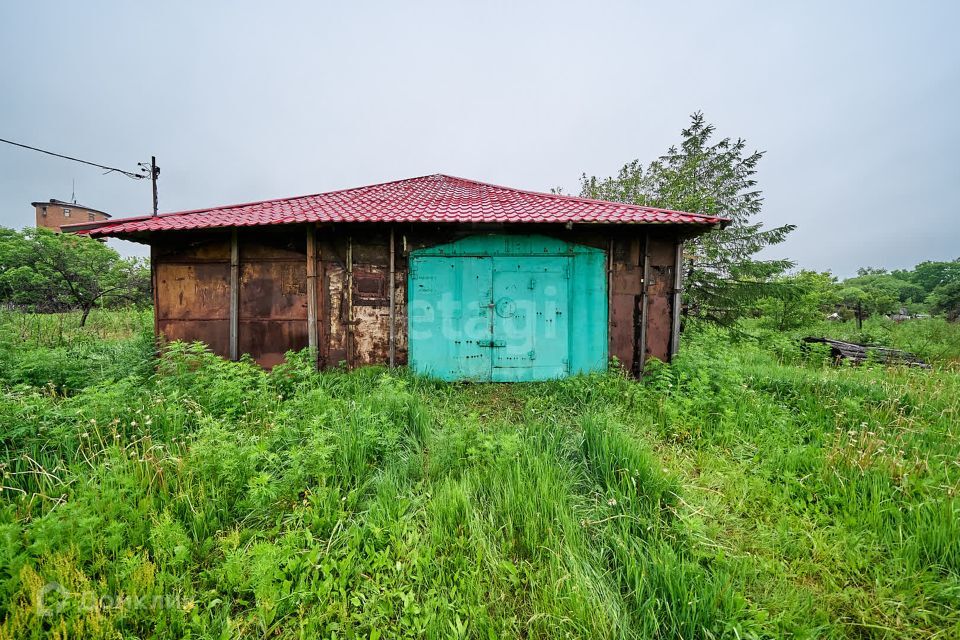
(855,103)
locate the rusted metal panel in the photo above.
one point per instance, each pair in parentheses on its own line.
(194,281)
(194,248)
(273,294)
(333,293)
(642,313)
(193,291)
(348,285)
(265,246)
(401,314)
(370,287)
(267,340)
(234,294)
(659,297)
(372,246)
(273,290)
(371,335)
(626,278)
(624,299)
(312,292)
(355,298)
(622,314)
(215,333)
(658,327)
(371,314)
(391,294)
(675,299)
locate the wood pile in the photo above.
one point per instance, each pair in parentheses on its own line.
(857,353)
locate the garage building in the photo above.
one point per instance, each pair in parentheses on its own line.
(461,280)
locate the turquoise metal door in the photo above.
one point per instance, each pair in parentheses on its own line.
(507,309)
(449,326)
(530,335)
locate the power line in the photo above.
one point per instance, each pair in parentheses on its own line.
(129,174)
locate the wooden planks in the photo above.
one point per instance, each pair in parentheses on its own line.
(859,353)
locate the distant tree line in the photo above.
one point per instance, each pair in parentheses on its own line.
(805,297)
(930,287)
(46,272)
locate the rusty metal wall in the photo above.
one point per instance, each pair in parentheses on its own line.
(192,279)
(662,253)
(626,289)
(192,273)
(354,315)
(273,294)
(630,248)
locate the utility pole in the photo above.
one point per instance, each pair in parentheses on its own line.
(154,174)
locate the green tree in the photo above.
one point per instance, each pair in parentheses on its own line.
(802,300)
(47,271)
(884,292)
(930,275)
(946,299)
(724,278)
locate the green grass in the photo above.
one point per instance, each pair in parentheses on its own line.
(53,350)
(747,490)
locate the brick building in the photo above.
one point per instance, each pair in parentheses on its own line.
(53,214)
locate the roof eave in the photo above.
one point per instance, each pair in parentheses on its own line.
(103,229)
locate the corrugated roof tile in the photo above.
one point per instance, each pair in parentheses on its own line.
(435,198)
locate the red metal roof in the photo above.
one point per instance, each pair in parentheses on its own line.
(436,199)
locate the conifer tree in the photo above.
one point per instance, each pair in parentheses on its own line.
(723,277)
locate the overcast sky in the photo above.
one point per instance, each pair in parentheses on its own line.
(857,105)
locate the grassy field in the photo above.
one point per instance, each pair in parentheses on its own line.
(748,490)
